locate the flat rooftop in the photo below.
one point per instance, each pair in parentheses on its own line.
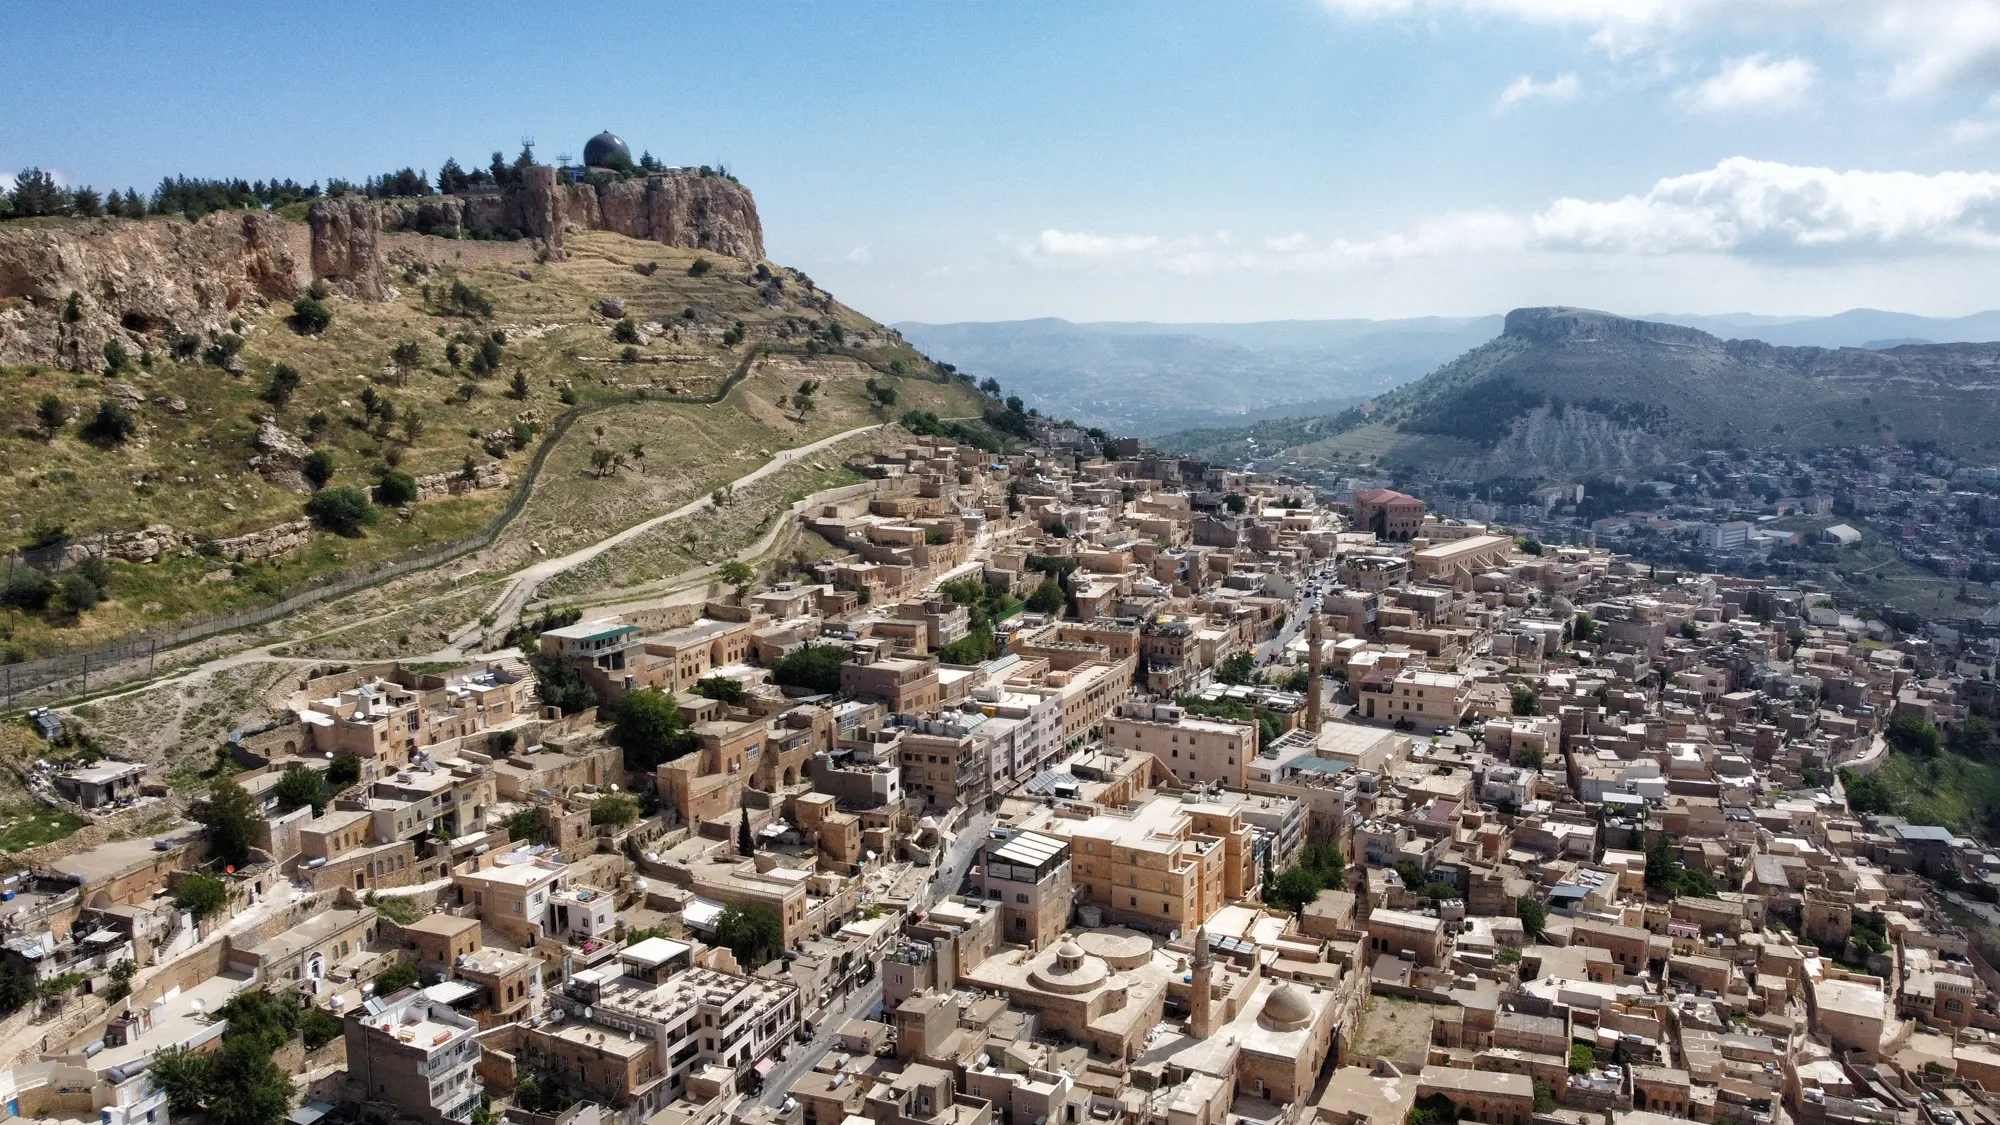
(109,860)
(310,932)
(592,630)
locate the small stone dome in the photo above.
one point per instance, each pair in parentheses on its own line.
(1287,1009)
(600,150)
(1070,970)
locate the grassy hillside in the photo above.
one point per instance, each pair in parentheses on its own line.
(188,464)
(1961,793)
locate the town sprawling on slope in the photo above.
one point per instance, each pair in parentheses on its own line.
(1073,781)
(837,742)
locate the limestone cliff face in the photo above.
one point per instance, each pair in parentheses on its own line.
(682,209)
(1562,325)
(135,282)
(691,211)
(345,249)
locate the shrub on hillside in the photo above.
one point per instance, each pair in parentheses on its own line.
(114,423)
(343,511)
(395,489)
(284,383)
(50,415)
(79,593)
(310,316)
(27,588)
(319,466)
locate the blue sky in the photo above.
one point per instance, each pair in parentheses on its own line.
(1176,161)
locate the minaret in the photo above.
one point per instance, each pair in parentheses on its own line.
(1200,1020)
(1313,682)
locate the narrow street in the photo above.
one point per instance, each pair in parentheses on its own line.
(958,860)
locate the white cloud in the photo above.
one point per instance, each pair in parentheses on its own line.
(1972,131)
(1561,88)
(1756,82)
(1743,208)
(6,181)
(859,255)
(1930,45)
(1940,43)
(1616,25)
(1058,244)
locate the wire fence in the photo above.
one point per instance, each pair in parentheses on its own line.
(71,674)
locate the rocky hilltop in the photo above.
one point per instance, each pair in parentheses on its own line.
(68,290)
(684,209)
(1563,392)
(169,412)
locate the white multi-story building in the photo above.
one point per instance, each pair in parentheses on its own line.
(644,1031)
(416,1054)
(1023,733)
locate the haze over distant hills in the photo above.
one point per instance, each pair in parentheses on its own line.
(1150,378)
(1855,328)
(1143,378)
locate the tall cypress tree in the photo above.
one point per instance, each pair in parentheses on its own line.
(745,843)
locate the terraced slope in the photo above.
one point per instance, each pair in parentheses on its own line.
(703,384)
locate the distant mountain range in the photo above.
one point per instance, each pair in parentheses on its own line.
(1140,378)
(1150,378)
(1855,328)
(1567,392)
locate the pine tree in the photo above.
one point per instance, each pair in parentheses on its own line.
(745,843)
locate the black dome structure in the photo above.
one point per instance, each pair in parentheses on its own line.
(602,150)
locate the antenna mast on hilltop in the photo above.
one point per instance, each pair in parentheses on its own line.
(527,142)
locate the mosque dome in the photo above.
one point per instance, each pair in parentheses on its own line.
(600,150)
(1071,969)
(1286,1009)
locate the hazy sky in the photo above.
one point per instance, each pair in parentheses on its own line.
(1234,161)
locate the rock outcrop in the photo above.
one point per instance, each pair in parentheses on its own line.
(432,486)
(154,542)
(269,543)
(146,545)
(685,209)
(542,210)
(281,458)
(137,283)
(346,254)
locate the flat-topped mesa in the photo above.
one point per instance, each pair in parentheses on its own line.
(683,208)
(1559,324)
